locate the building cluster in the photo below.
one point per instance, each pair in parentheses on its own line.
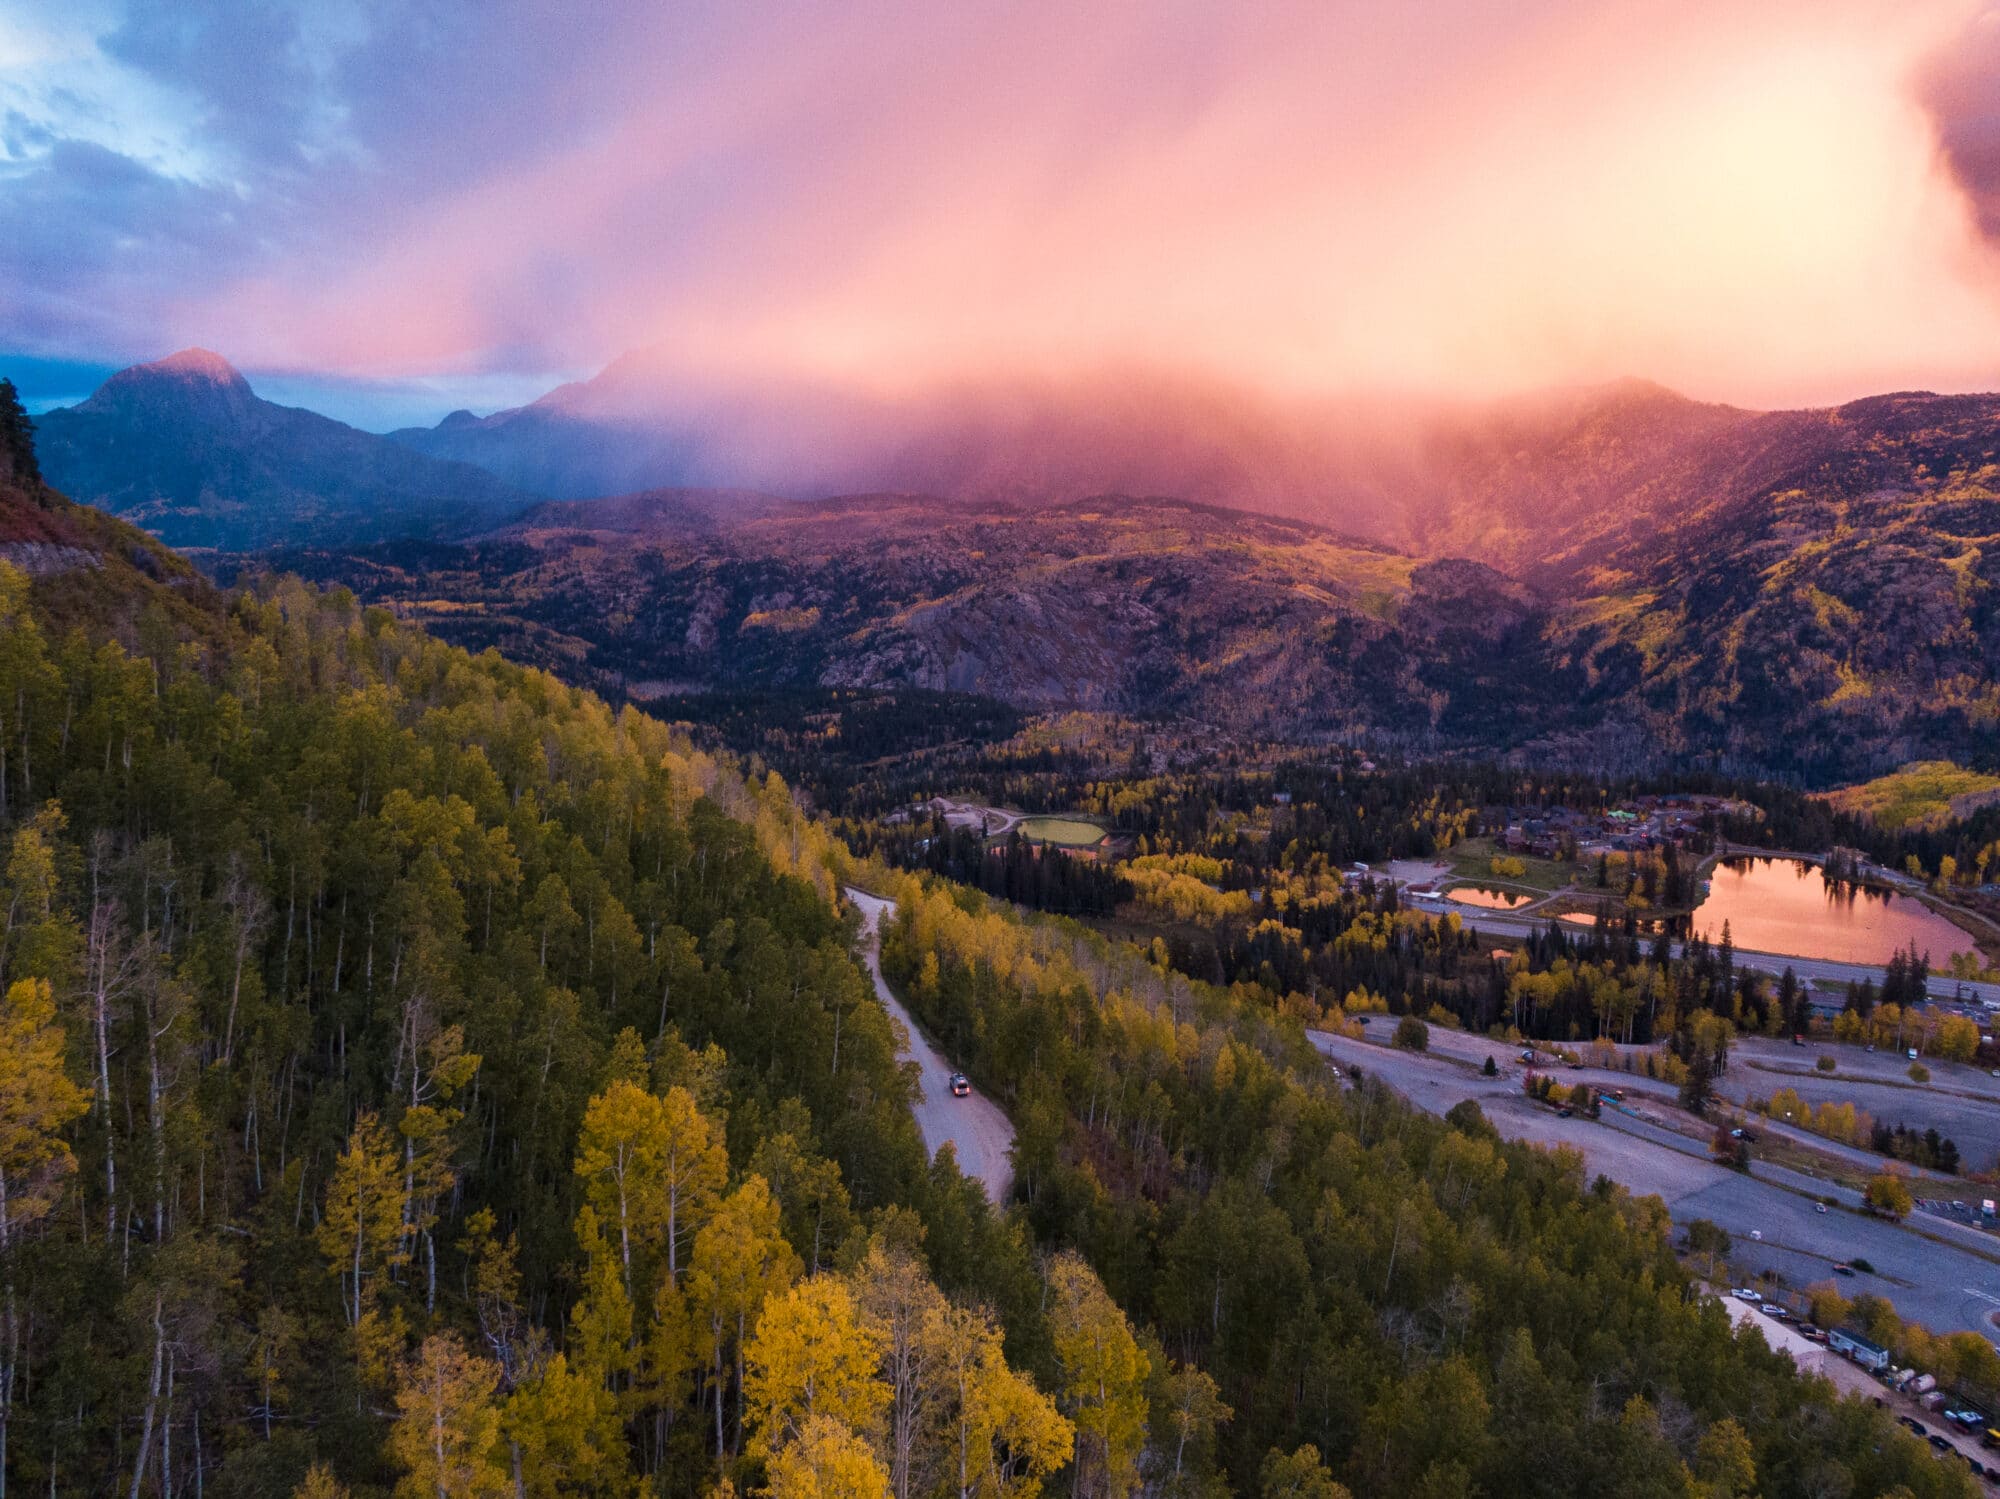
(1647,823)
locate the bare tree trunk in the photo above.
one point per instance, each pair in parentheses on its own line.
(152,1395)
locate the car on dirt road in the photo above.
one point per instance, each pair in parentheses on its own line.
(961,1086)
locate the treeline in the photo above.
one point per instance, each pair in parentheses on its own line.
(1431,1310)
(1793,820)
(1041,877)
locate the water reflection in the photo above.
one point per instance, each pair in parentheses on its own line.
(1487,900)
(1786,906)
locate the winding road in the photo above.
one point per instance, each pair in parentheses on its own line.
(975,1127)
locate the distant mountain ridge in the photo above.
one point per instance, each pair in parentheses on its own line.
(185,448)
(1545,485)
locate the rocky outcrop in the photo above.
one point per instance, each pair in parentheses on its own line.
(42,559)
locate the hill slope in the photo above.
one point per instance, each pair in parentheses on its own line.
(1806,633)
(186,449)
(1148,606)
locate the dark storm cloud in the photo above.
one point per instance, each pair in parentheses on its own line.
(1960,87)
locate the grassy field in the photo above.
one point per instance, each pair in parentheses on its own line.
(1065,832)
(1472,860)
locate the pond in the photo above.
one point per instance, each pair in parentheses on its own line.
(1487,900)
(1067,831)
(1785,906)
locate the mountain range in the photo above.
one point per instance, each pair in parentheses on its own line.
(185,448)
(1614,575)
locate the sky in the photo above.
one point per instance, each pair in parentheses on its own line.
(387,210)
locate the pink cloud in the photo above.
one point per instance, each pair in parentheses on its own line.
(1747,202)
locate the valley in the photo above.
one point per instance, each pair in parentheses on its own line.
(1132,812)
(996,751)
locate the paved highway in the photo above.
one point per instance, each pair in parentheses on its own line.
(976,1128)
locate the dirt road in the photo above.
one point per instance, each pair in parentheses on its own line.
(975,1127)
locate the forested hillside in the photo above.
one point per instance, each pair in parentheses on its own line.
(415,1068)
(418,1077)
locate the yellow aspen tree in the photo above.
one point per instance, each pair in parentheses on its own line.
(1724,1463)
(618,1159)
(740,1261)
(565,1436)
(601,1323)
(1104,1374)
(319,1483)
(272,1349)
(896,1294)
(827,1461)
(361,1233)
(446,1437)
(813,1354)
(652,1168)
(1000,1435)
(694,1164)
(37,1099)
(1298,1474)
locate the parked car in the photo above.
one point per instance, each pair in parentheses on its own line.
(1775,1312)
(1527,1056)
(1744,1293)
(961,1086)
(1938,1442)
(1819,1207)
(1843,1269)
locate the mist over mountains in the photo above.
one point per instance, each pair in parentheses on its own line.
(1492,480)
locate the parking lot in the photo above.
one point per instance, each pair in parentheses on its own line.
(1850,1379)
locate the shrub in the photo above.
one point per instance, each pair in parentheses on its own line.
(1491,1069)
(1919,1073)
(1826,1063)
(1412,1034)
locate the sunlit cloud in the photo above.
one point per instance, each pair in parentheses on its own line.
(1770,204)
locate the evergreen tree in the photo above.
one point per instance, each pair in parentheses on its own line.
(17,439)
